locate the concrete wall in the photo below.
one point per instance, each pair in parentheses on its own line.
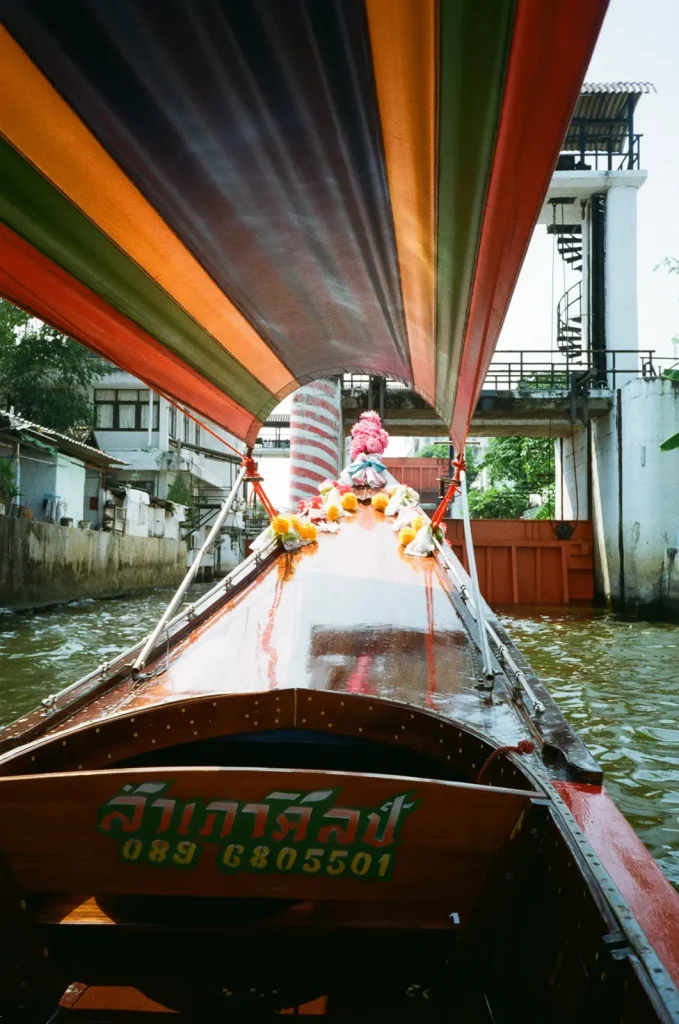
(571,497)
(635,494)
(70,485)
(44,564)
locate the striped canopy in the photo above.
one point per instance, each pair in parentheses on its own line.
(230,198)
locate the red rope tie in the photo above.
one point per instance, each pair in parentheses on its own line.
(524,747)
(255,479)
(453,487)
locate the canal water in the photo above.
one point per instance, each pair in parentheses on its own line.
(617,681)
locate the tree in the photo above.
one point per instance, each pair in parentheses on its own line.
(527,463)
(179,492)
(45,375)
(497,503)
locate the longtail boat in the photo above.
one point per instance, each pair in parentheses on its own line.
(331,785)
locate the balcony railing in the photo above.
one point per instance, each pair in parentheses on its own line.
(537,370)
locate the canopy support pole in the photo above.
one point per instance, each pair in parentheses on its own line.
(193,569)
(474,576)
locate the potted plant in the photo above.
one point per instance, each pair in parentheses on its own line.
(8,488)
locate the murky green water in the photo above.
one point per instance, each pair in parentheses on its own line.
(618,683)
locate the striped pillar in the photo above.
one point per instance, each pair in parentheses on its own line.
(315,437)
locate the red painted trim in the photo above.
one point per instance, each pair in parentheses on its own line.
(650,897)
(33,282)
(551,48)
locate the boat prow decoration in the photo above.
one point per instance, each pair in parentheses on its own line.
(311,760)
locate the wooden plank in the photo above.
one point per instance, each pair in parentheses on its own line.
(564,574)
(255,833)
(538,575)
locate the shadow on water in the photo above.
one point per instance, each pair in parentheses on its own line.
(617,681)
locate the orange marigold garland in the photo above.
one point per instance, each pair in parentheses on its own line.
(379,502)
(280,525)
(332,513)
(349,502)
(406,536)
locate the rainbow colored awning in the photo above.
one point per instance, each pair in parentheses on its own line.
(230,198)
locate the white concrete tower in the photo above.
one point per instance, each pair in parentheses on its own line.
(315,437)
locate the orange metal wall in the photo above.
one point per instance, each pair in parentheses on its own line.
(521,561)
(422,474)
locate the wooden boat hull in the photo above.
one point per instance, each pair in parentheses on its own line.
(308,800)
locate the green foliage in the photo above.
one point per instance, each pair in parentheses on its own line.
(671,443)
(524,462)
(179,492)
(8,487)
(43,374)
(497,503)
(434,451)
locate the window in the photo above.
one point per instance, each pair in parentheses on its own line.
(187,424)
(197,434)
(173,421)
(124,409)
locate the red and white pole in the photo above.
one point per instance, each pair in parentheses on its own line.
(315,438)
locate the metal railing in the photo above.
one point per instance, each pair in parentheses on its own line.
(527,370)
(591,147)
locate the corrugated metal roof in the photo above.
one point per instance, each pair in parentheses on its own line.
(68,445)
(607,102)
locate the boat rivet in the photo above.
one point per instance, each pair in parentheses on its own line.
(441,725)
(135,734)
(322,712)
(459,750)
(440,741)
(190,721)
(168,727)
(132,719)
(80,767)
(341,703)
(97,730)
(45,952)
(153,741)
(63,743)
(303,721)
(214,703)
(109,756)
(329,725)
(473,764)
(195,732)
(370,707)
(247,716)
(22,904)
(460,735)
(603,975)
(33,758)
(360,728)
(596,957)
(396,736)
(412,716)
(308,698)
(276,699)
(276,721)
(448,757)
(256,703)
(255,723)
(403,728)
(183,711)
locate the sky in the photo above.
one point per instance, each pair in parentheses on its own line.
(639,42)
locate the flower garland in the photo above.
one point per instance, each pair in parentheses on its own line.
(369,441)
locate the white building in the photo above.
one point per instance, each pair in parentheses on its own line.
(160,443)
